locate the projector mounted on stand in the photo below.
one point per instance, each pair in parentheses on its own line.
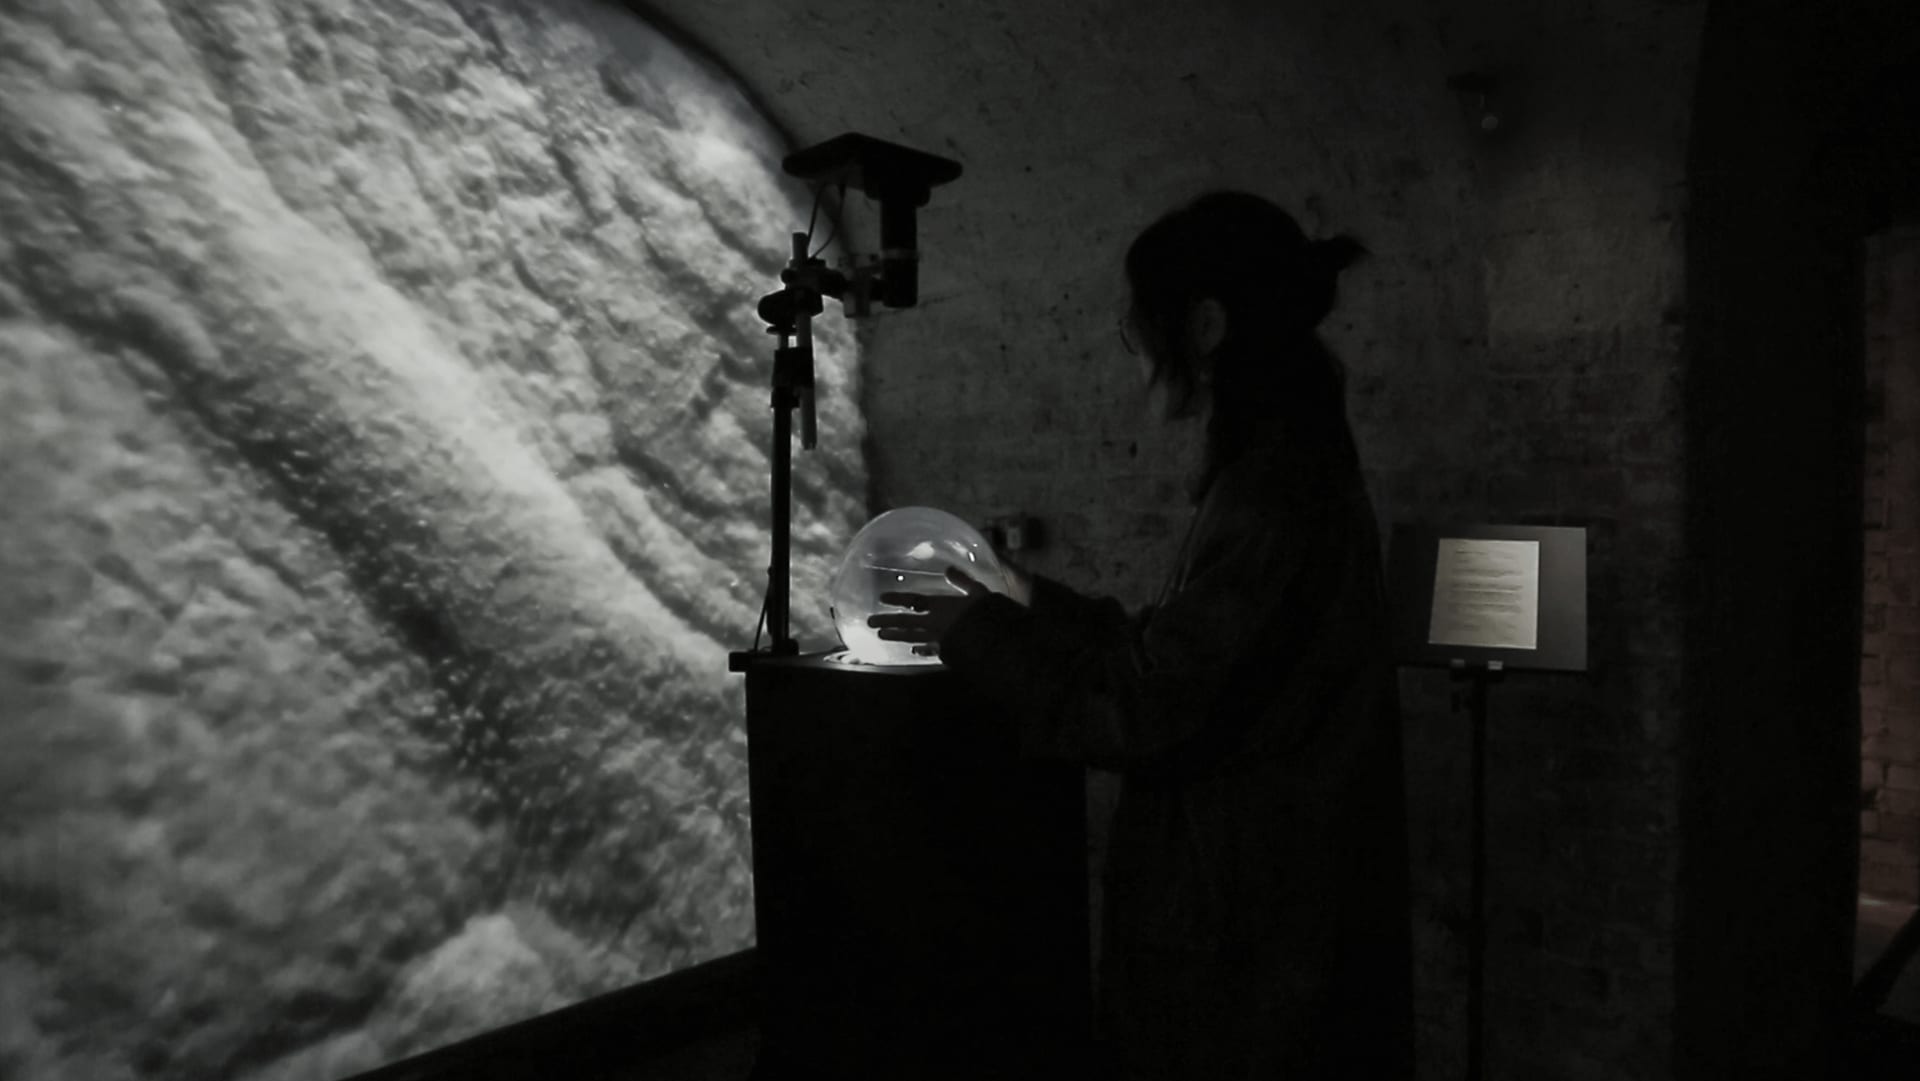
(901,181)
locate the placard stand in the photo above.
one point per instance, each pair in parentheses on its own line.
(1477,680)
(1482,601)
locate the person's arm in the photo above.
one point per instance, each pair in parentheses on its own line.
(1057,602)
(1121,692)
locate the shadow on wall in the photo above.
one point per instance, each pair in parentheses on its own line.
(381,464)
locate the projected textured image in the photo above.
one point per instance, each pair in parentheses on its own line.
(382,482)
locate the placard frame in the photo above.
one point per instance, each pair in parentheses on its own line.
(1561,641)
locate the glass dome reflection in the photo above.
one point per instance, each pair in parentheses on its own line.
(906,550)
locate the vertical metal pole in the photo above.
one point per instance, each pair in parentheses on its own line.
(791,372)
(780,572)
(1477,923)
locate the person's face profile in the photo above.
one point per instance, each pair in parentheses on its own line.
(1159,401)
(1132,341)
(1162,401)
(1164,398)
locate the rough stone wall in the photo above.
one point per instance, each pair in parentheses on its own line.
(382,478)
(1890,661)
(1513,348)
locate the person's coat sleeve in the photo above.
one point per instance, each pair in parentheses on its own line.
(1057,604)
(1084,682)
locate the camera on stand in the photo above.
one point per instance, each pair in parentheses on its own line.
(920,891)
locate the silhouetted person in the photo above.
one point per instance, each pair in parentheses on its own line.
(1256,909)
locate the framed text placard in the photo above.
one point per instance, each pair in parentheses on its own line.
(1515,594)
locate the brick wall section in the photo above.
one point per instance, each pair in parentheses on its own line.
(1512,349)
(1890,661)
(1582,383)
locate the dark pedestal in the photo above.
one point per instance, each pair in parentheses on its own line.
(921,894)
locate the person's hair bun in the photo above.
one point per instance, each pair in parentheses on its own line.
(1335,253)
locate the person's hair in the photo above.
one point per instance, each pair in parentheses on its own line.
(1275,285)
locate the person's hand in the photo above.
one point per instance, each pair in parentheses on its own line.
(929,615)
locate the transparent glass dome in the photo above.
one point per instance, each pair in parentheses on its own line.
(906,550)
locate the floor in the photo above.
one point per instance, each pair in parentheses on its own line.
(727,1057)
(730,1057)
(1879,920)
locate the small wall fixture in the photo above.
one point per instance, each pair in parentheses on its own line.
(1479,99)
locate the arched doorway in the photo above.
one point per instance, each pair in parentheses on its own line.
(1873,166)
(1803,131)
(1890,650)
